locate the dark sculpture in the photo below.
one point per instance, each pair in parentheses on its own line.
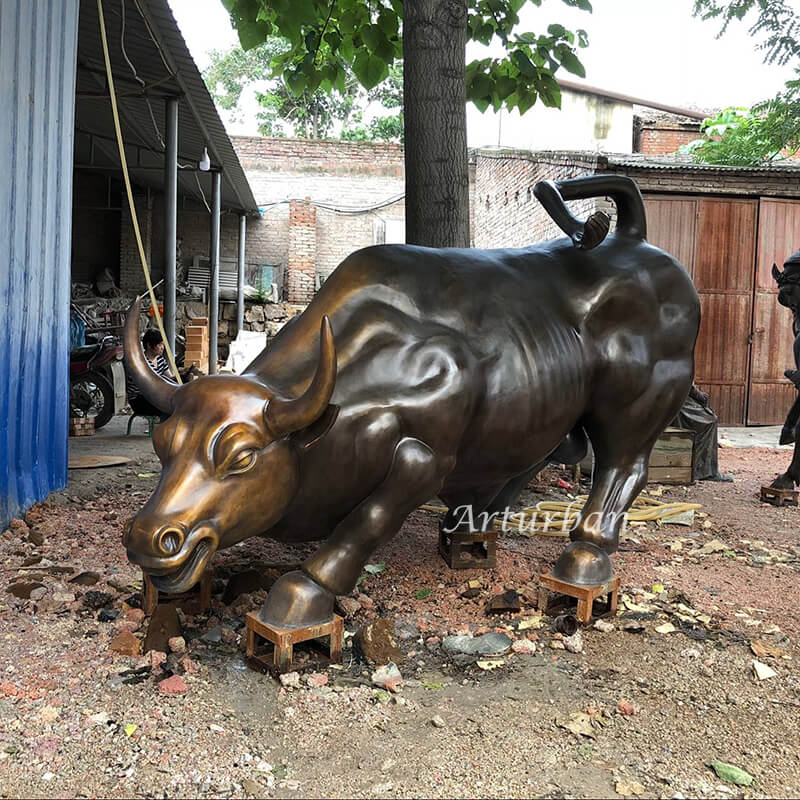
(697,415)
(418,372)
(789,295)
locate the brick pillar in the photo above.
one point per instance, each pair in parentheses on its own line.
(131,277)
(301,271)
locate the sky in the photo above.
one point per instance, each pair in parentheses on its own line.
(650,49)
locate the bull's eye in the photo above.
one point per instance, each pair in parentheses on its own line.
(243,461)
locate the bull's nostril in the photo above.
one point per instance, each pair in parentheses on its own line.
(170,541)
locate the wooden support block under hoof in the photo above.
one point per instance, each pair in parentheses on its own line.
(464,550)
(200,594)
(779,497)
(585,595)
(280,657)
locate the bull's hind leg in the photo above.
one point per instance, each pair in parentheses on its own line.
(622,438)
(306,597)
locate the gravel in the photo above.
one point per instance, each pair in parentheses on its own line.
(77,718)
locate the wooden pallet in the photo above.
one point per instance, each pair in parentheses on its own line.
(199,593)
(283,641)
(779,497)
(585,595)
(464,550)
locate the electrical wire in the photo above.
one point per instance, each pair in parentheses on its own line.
(202,193)
(129,190)
(136,75)
(348,210)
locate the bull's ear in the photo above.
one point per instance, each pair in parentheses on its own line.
(314,432)
(776,273)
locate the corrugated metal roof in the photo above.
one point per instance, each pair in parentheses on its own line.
(146,32)
(641,161)
(685,163)
(37,86)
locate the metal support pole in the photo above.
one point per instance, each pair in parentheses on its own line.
(240,275)
(170,218)
(213,292)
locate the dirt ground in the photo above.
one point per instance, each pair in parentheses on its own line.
(639,711)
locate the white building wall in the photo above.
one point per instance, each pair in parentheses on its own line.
(585,122)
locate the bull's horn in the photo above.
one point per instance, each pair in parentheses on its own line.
(285,416)
(153,387)
(776,273)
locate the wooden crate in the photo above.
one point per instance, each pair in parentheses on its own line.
(672,459)
(671,462)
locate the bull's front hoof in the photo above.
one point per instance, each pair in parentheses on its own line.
(784,482)
(584,564)
(296,601)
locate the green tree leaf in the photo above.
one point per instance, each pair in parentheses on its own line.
(571,63)
(369,69)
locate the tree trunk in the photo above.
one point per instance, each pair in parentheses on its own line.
(437,181)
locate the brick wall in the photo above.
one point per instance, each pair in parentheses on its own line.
(337,177)
(659,139)
(321,156)
(506,212)
(301,272)
(508,215)
(131,276)
(654,137)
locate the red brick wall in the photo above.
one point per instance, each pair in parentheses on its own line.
(662,139)
(301,272)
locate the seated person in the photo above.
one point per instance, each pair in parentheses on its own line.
(153,346)
(695,415)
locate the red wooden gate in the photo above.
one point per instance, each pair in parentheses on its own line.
(715,240)
(770,393)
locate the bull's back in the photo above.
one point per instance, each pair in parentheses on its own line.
(530,317)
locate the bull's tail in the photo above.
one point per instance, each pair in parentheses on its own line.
(631,218)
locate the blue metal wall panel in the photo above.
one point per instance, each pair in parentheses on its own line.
(38,47)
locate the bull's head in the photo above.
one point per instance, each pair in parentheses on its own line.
(229,455)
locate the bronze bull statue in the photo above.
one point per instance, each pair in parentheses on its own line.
(418,372)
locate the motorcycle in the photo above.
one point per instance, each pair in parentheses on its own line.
(92,372)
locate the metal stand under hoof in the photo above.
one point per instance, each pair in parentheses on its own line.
(200,593)
(779,497)
(284,640)
(585,595)
(464,550)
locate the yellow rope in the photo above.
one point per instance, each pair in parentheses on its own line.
(562,515)
(134,218)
